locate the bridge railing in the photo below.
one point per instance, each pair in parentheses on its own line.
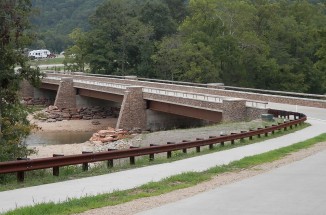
(23,165)
(243,89)
(256,104)
(187,95)
(158,91)
(103,84)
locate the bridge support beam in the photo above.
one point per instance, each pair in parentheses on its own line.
(66,95)
(133,110)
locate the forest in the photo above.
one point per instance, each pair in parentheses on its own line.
(279,44)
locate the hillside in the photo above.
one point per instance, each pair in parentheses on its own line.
(54,20)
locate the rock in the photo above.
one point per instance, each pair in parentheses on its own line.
(95,122)
(51,120)
(51,108)
(136,130)
(107,139)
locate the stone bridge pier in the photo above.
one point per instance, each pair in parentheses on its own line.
(66,95)
(133,110)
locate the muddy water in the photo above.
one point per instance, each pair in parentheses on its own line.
(54,138)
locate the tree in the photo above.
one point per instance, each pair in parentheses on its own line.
(118,41)
(75,56)
(13,38)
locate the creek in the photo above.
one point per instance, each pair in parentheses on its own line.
(54,138)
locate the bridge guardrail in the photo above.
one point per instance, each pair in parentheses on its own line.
(187,95)
(241,89)
(22,166)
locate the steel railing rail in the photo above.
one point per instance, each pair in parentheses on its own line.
(21,166)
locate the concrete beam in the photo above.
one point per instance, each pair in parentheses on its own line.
(100,95)
(204,114)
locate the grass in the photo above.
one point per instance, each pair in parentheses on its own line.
(46,61)
(72,206)
(39,177)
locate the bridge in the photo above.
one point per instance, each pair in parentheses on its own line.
(145,102)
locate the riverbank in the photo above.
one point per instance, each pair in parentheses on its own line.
(141,140)
(61,128)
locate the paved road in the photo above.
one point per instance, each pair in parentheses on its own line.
(311,112)
(136,177)
(298,188)
(294,189)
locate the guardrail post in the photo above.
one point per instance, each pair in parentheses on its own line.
(242,139)
(21,174)
(132,158)
(259,136)
(85,165)
(285,128)
(222,135)
(232,141)
(55,169)
(110,161)
(169,153)
(266,134)
(211,145)
(250,138)
(151,156)
(198,147)
(185,150)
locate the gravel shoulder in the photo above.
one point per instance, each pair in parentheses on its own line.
(220,180)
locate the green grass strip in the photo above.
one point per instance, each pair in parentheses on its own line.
(181,181)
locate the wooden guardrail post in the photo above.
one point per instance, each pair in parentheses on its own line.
(185,141)
(222,135)
(242,139)
(211,146)
(232,141)
(169,153)
(250,138)
(132,158)
(259,136)
(151,156)
(56,169)
(85,165)
(21,174)
(198,147)
(266,134)
(110,161)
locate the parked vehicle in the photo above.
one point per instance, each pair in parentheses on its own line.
(36,54)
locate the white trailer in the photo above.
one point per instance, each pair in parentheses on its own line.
(42,53)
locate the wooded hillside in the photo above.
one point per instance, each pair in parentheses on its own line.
(252,43)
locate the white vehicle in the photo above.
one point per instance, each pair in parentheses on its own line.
(42,53)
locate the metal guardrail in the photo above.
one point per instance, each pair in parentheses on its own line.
(22,166)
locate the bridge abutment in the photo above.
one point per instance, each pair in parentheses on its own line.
(66,95)
(133,110)
(26,90)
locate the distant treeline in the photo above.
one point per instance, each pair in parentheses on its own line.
(266,44)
